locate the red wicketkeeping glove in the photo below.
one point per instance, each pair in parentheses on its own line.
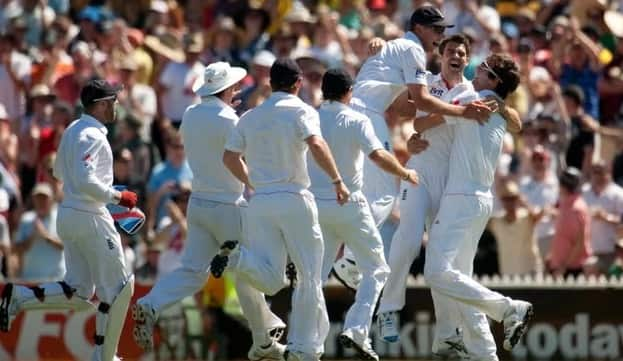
(128,199)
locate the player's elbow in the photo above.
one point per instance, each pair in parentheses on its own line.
(376,156)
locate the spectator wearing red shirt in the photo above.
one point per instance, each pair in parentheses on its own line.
(571,246)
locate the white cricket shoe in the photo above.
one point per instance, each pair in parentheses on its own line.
(347,272)
(516,322)
(144,320)
(452,349)
(388,326)
(364,349)
(291,355)
(274,351)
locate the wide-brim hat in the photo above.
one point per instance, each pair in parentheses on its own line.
(41,91)
(166,45)
(218,77)
(614,21)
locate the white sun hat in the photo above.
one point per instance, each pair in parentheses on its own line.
(218,77)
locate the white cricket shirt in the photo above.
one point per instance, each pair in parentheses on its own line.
(84,165)
(205,129)
(351,137)
(384,76)
(475,151)
(272,137)
(435,159)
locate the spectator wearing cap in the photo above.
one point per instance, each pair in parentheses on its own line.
(571,246)
(575,61)
(260,89)
(223,43)
(580,149)
(37,245)
(515,232)
(283,43)
(540,191)
(15,70)
(176,80)
(605,201)
(136,98)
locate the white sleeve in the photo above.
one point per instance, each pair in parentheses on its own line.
(87,159)
(235,140)
(368,140)
(413,61)
(308,123)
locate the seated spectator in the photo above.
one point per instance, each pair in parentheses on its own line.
(37,245)
(515,231)
(540,189)
(571,246)
(605,201)
(165,178)
(171,232)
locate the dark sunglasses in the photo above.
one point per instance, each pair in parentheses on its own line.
(438,29)
(490,72)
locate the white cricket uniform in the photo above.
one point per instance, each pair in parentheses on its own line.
(418,205)
(282,215)
(94,257)
(351,137)
(215,215)
(463,214)
(382,78)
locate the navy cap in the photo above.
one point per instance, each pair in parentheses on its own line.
(430,16)
(98,90)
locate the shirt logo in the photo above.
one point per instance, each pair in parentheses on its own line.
(404,194)
(436,92)
(111,245)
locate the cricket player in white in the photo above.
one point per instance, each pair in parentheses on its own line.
(93,252)
(463,214)
(419,204)
(399,66)
(214,215)
(282,216)
(351,137)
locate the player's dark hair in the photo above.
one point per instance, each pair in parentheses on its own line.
(457,39)
(508,71)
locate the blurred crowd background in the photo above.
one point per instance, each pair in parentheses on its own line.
(570,53)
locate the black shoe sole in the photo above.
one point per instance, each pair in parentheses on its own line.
(363,355)
(519,331)
(7,292)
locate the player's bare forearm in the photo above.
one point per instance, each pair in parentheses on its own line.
(426,122)
(419,96)
(403,106)
(388,162)
(322,155)
(513,120)
(236,165)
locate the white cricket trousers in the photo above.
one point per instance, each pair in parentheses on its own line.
(282,224)
(353,225)
(211,223)
(93,258)
(417,205)
(453,241)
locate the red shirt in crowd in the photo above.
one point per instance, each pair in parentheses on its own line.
(573,219)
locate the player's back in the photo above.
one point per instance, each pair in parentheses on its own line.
(205,128)
(475,153)
(274,136)
(351,138)
(382,77)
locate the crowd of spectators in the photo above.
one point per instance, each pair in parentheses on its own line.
(558,187)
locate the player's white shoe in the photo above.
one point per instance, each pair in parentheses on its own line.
(515,322)
(452,349)
(388,326)
(347,272)
(8,307)
(291,355)
(274,351)
(144,321)
(364,349)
